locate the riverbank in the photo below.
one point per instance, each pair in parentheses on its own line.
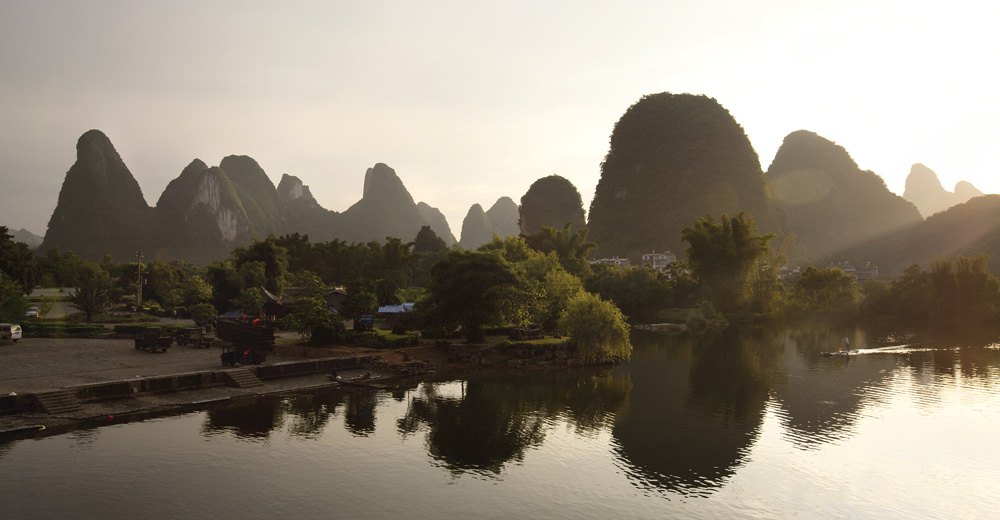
(53,384)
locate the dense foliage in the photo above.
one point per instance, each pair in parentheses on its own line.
(310,317)
(733,264)
(953,293)
(17,261)
(826,291)
(474,289)
(598,328)
(12,305)
(571,248)
(638,291)
(93,293)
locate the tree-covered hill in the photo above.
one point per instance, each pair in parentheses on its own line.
(674,158)
(101,209)
(832,205)
(551,201)
(965,229)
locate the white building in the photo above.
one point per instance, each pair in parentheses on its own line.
(659,261)
(620,262)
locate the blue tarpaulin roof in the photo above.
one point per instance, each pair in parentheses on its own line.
(232,314)
(395,309)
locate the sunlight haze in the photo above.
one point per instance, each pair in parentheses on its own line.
(470,102)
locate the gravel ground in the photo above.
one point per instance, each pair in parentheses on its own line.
(32,365)
(36,364)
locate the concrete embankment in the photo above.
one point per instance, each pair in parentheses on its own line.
(82,405)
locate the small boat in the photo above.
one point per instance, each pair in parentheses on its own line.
(839,353)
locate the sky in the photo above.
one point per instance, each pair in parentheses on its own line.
(473,101)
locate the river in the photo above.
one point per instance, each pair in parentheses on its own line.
(742,423)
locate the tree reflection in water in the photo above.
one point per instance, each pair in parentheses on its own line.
(253,419)
(823,396)
(308,415)
(683,413)
(696,407)
(496,418)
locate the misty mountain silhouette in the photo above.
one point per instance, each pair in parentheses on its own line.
(924,190)
(206,212)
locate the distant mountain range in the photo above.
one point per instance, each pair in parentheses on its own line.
(479,226)
(924,190)
(673,158)
(830,203)
(206,212)
(23,235)
(676,157)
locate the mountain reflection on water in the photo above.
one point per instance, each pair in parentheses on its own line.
(683,413)
(750,422)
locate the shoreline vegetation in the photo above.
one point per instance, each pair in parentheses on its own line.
(332,292)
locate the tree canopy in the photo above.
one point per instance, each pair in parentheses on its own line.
(730,259)
(474,289)
(17,261)
(598,328)
(571,248)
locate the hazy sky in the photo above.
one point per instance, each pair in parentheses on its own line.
(471,101)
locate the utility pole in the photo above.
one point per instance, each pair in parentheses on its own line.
(138,263)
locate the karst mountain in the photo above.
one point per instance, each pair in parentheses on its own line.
(207,211)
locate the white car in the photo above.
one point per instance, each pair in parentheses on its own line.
(10,331)
(32,312)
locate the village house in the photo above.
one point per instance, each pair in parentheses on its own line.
(659,261)
(620,262)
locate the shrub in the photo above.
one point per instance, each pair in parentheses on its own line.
(598,328)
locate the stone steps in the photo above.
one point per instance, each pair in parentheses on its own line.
(243,378)
(58,402)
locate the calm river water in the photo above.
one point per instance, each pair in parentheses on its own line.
(740,423)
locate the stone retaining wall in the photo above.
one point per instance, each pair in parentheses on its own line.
(181,382)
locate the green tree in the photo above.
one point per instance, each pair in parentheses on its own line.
(311,317)
(93,292)
(203,313)
(474,289)
(732,262)
(12,304)
(250,301)
(428,241)
(195,290)
(17,261)
(638,291)
(272,257)
(361,299)
(828,290)
(163,282)
(60,269)
(559,288)
(513,249)
(571,248)
(387,291)
(598,328)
